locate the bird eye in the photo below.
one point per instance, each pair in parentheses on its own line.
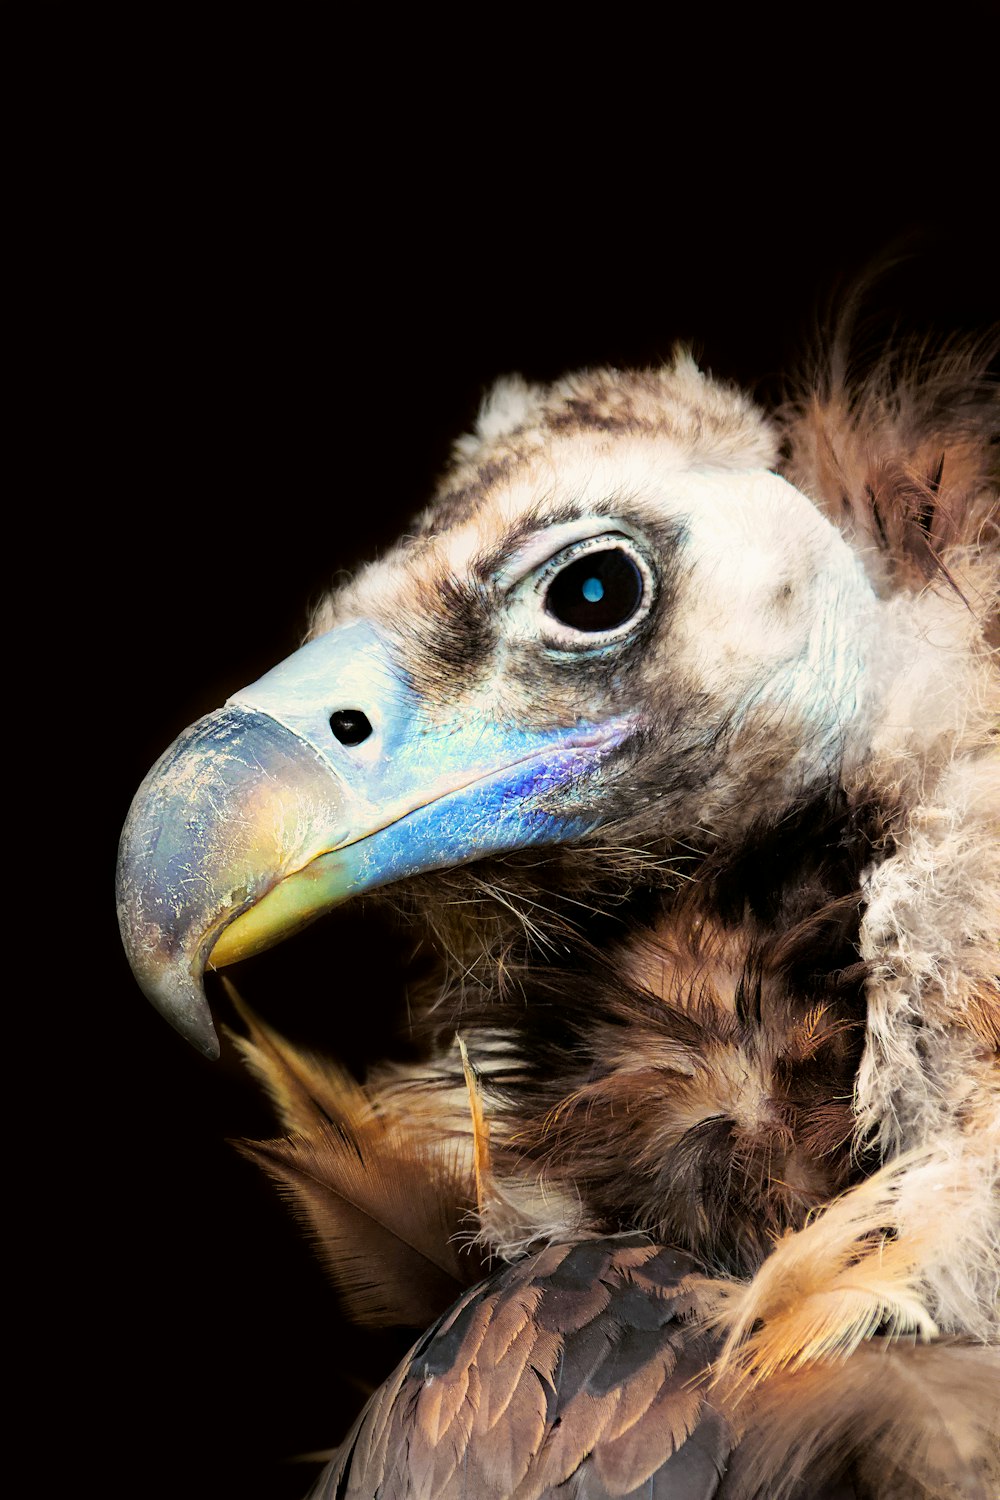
(596,592)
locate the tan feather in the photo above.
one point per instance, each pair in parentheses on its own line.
(480,1128)
(385,1201)
(828,1287)
(303,1087)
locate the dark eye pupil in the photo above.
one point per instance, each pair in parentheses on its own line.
(598,591)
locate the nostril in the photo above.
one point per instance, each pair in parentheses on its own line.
(350,726)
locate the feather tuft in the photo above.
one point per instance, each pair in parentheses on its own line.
(855,1270)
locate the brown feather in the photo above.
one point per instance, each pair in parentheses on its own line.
(715,1113)
(918,1423)
(903,460)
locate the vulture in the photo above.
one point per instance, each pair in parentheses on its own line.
(672,725)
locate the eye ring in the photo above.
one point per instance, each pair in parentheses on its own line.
(594,592)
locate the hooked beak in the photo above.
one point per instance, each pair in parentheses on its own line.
(259,817)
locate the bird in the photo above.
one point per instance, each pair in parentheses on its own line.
(672,724)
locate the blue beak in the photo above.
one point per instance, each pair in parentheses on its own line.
(327,777)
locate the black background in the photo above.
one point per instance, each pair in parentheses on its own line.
(277,317)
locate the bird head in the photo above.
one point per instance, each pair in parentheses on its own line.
(615,616)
